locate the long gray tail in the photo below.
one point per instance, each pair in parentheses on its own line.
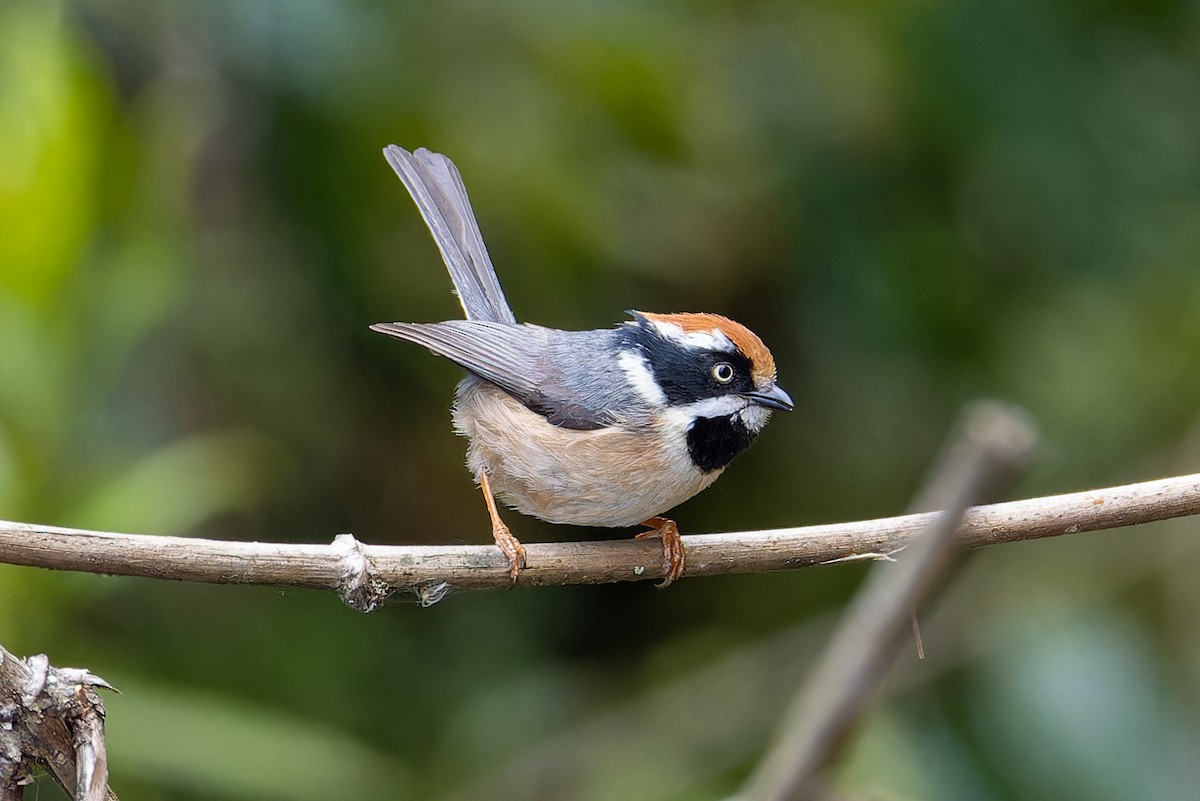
(437,187)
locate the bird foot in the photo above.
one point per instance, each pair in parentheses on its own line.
(512,549)
(509,545)
(673,553)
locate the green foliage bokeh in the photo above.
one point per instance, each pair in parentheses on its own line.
(914,204)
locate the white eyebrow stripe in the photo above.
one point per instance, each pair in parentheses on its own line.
(641,378)
(707,340)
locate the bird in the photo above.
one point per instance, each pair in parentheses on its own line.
(608,427)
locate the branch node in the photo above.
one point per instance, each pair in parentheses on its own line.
(358,588)
(52,717)
(39,674)
(85,677)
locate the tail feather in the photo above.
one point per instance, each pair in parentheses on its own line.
(437,187)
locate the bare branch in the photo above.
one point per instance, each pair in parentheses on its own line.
(991,446)
(52,717)
(364,574)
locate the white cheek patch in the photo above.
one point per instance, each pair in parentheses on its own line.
(755,417)
(723,406)
(683,417)
(637,370)
(704,340)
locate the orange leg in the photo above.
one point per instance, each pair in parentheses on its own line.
(509,545)
(673,553)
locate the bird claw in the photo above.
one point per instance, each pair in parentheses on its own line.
(512,549)
(509,545)
(673,551)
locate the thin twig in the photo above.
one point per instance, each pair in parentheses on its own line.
(365,574)
(992,445)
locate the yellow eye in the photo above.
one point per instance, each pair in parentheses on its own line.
(723,372)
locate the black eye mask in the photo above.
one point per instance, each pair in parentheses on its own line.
(686,374)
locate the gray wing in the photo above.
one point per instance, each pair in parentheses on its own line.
(568,377)
(437,187)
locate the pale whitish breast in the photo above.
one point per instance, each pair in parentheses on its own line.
(606,477)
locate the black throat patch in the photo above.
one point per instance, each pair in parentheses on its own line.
(713,442)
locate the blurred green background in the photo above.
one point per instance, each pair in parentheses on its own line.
(914,204)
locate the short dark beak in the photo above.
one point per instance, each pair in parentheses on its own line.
(773,398)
